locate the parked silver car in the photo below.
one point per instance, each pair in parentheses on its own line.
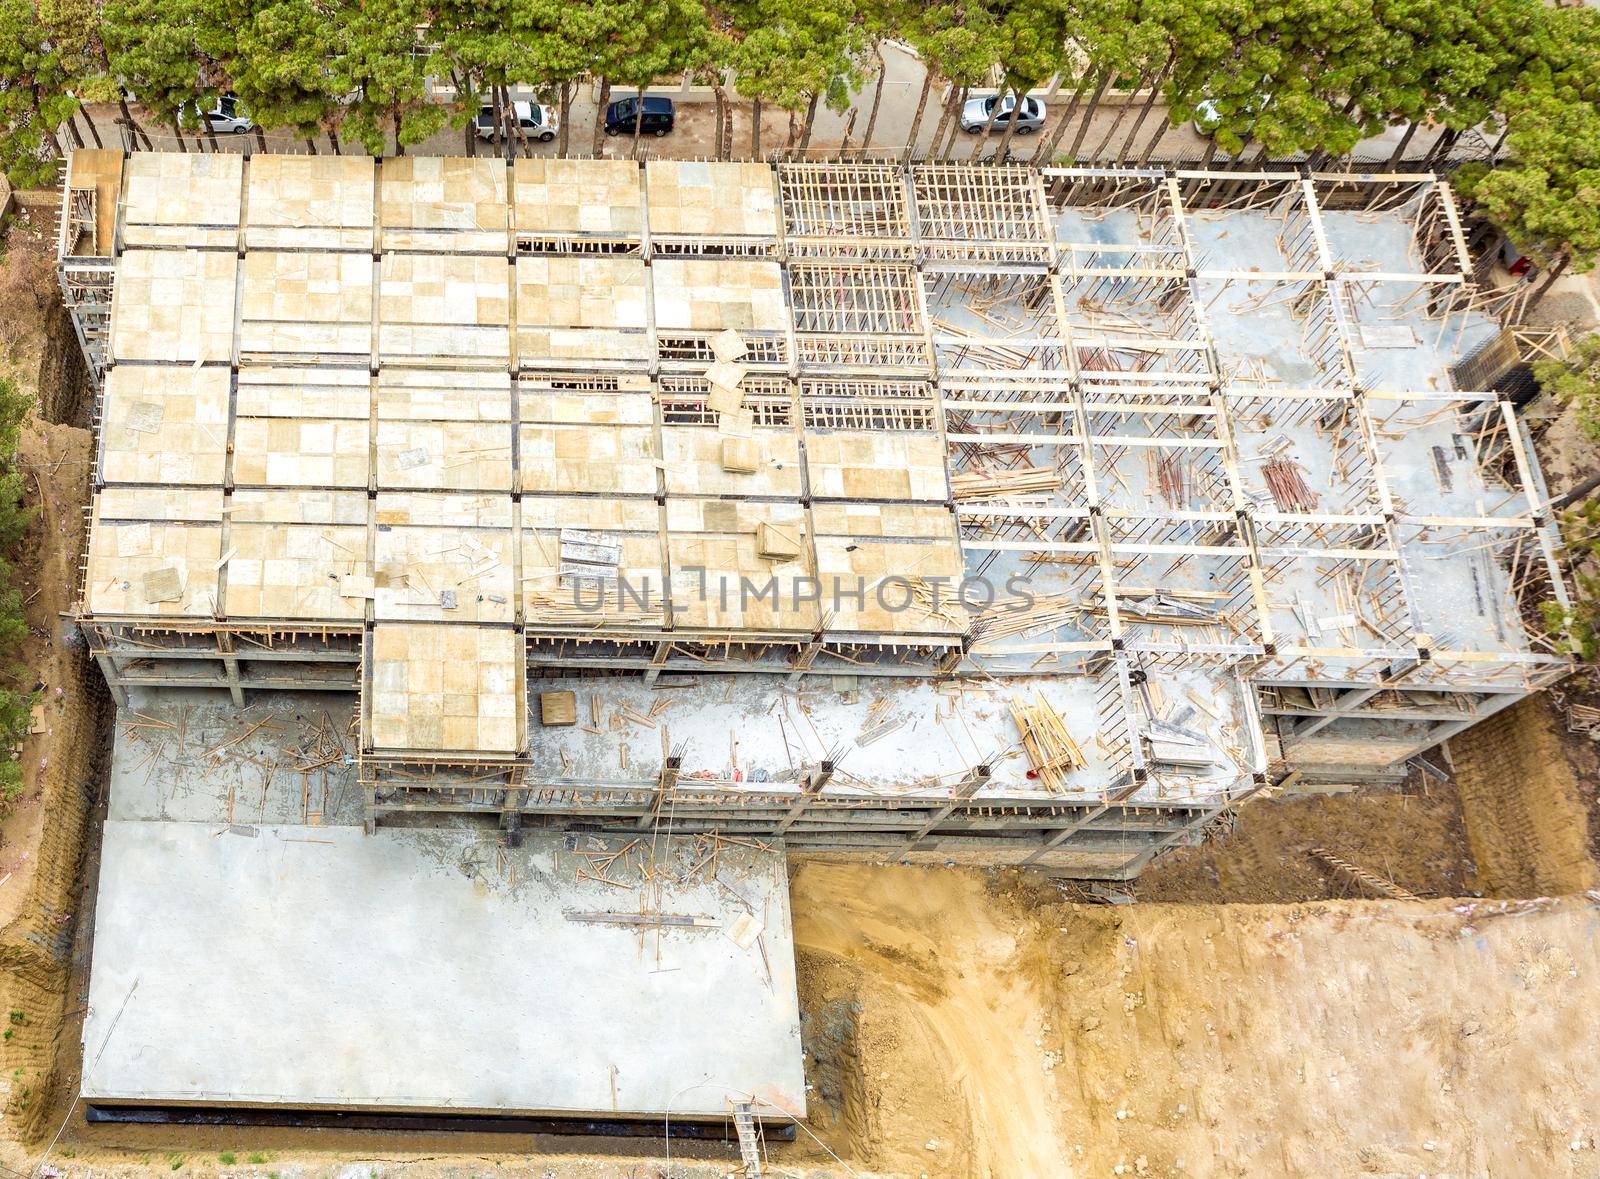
(976,114)
(228,115)
(537,122)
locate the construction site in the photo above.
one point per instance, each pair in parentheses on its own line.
(564,544)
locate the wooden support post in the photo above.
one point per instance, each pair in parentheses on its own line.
(807,656)
(511,813)
(976,777)
(230,667)
(815,782)
(657,661)
(666,782)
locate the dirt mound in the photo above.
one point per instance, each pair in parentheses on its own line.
(999,1033)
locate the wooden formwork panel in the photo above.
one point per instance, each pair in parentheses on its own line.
(157,568)
(301,452)
(161,426)
(573,198)
(299,571)
(444,306)
(714,548)
(438,688)
(439,203)
(711,199)
(306,304)
(712,294)
(320,202)
(173,199)
(579,552)
(174,306)
(450,456)
(439,395)
(877,465)
(705,460)
(267,391)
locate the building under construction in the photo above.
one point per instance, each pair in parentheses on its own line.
(462,434)
(523,555)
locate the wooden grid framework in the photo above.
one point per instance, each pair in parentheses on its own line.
(940,370)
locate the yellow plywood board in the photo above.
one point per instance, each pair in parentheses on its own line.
(877,465)
(444,203)
(578,198)
(438,395)
(446,306)
(286,505)
(711,199)
(305,452)
(719,580)
(325,202)
(447,688)
(446,456)
(164,426)
(442,509)
(696,462)
(173,305)
(588,597)
(711,294)
(200,504)
(182,199)
(858,546)
(267,391)
(451,574)
(304,303)
(579,458)
(293,570)
(126,556)
(101,170)
(630,406)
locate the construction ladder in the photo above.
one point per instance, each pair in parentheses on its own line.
(744,1123)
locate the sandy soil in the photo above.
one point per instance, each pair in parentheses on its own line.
(1412,835)
(993,1031)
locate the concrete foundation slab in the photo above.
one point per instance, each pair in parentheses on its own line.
(435,970)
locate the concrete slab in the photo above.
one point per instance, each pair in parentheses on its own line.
(429,970)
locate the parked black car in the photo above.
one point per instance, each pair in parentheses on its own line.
(657,119)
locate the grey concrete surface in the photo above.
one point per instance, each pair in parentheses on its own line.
(433,970)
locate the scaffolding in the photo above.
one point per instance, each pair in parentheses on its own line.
(887,469)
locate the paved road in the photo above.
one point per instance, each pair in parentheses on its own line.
(694,136)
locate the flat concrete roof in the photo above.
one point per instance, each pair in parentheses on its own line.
(434,970)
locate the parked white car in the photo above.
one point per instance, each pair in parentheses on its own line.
(976,114)
(537,122)
(228,116)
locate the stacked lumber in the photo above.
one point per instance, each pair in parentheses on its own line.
(1050,748)
(1289,489)
(991,485)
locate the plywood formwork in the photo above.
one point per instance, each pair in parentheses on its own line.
(310,202)
(697,207)
(160,427)
(440,688)
(578,206)
(305,306)
(584,310)
(187,200)
(1177,409)
(174,305)
(443,204)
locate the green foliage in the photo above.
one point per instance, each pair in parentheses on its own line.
(35,77)
(1547,199)
(788,52)
(227,1158)
(1575,381)
(1580,529)
(15,705)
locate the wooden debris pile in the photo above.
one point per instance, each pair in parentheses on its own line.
(1050,747)
(1288,486)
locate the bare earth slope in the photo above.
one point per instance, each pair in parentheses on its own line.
(1343,1038)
